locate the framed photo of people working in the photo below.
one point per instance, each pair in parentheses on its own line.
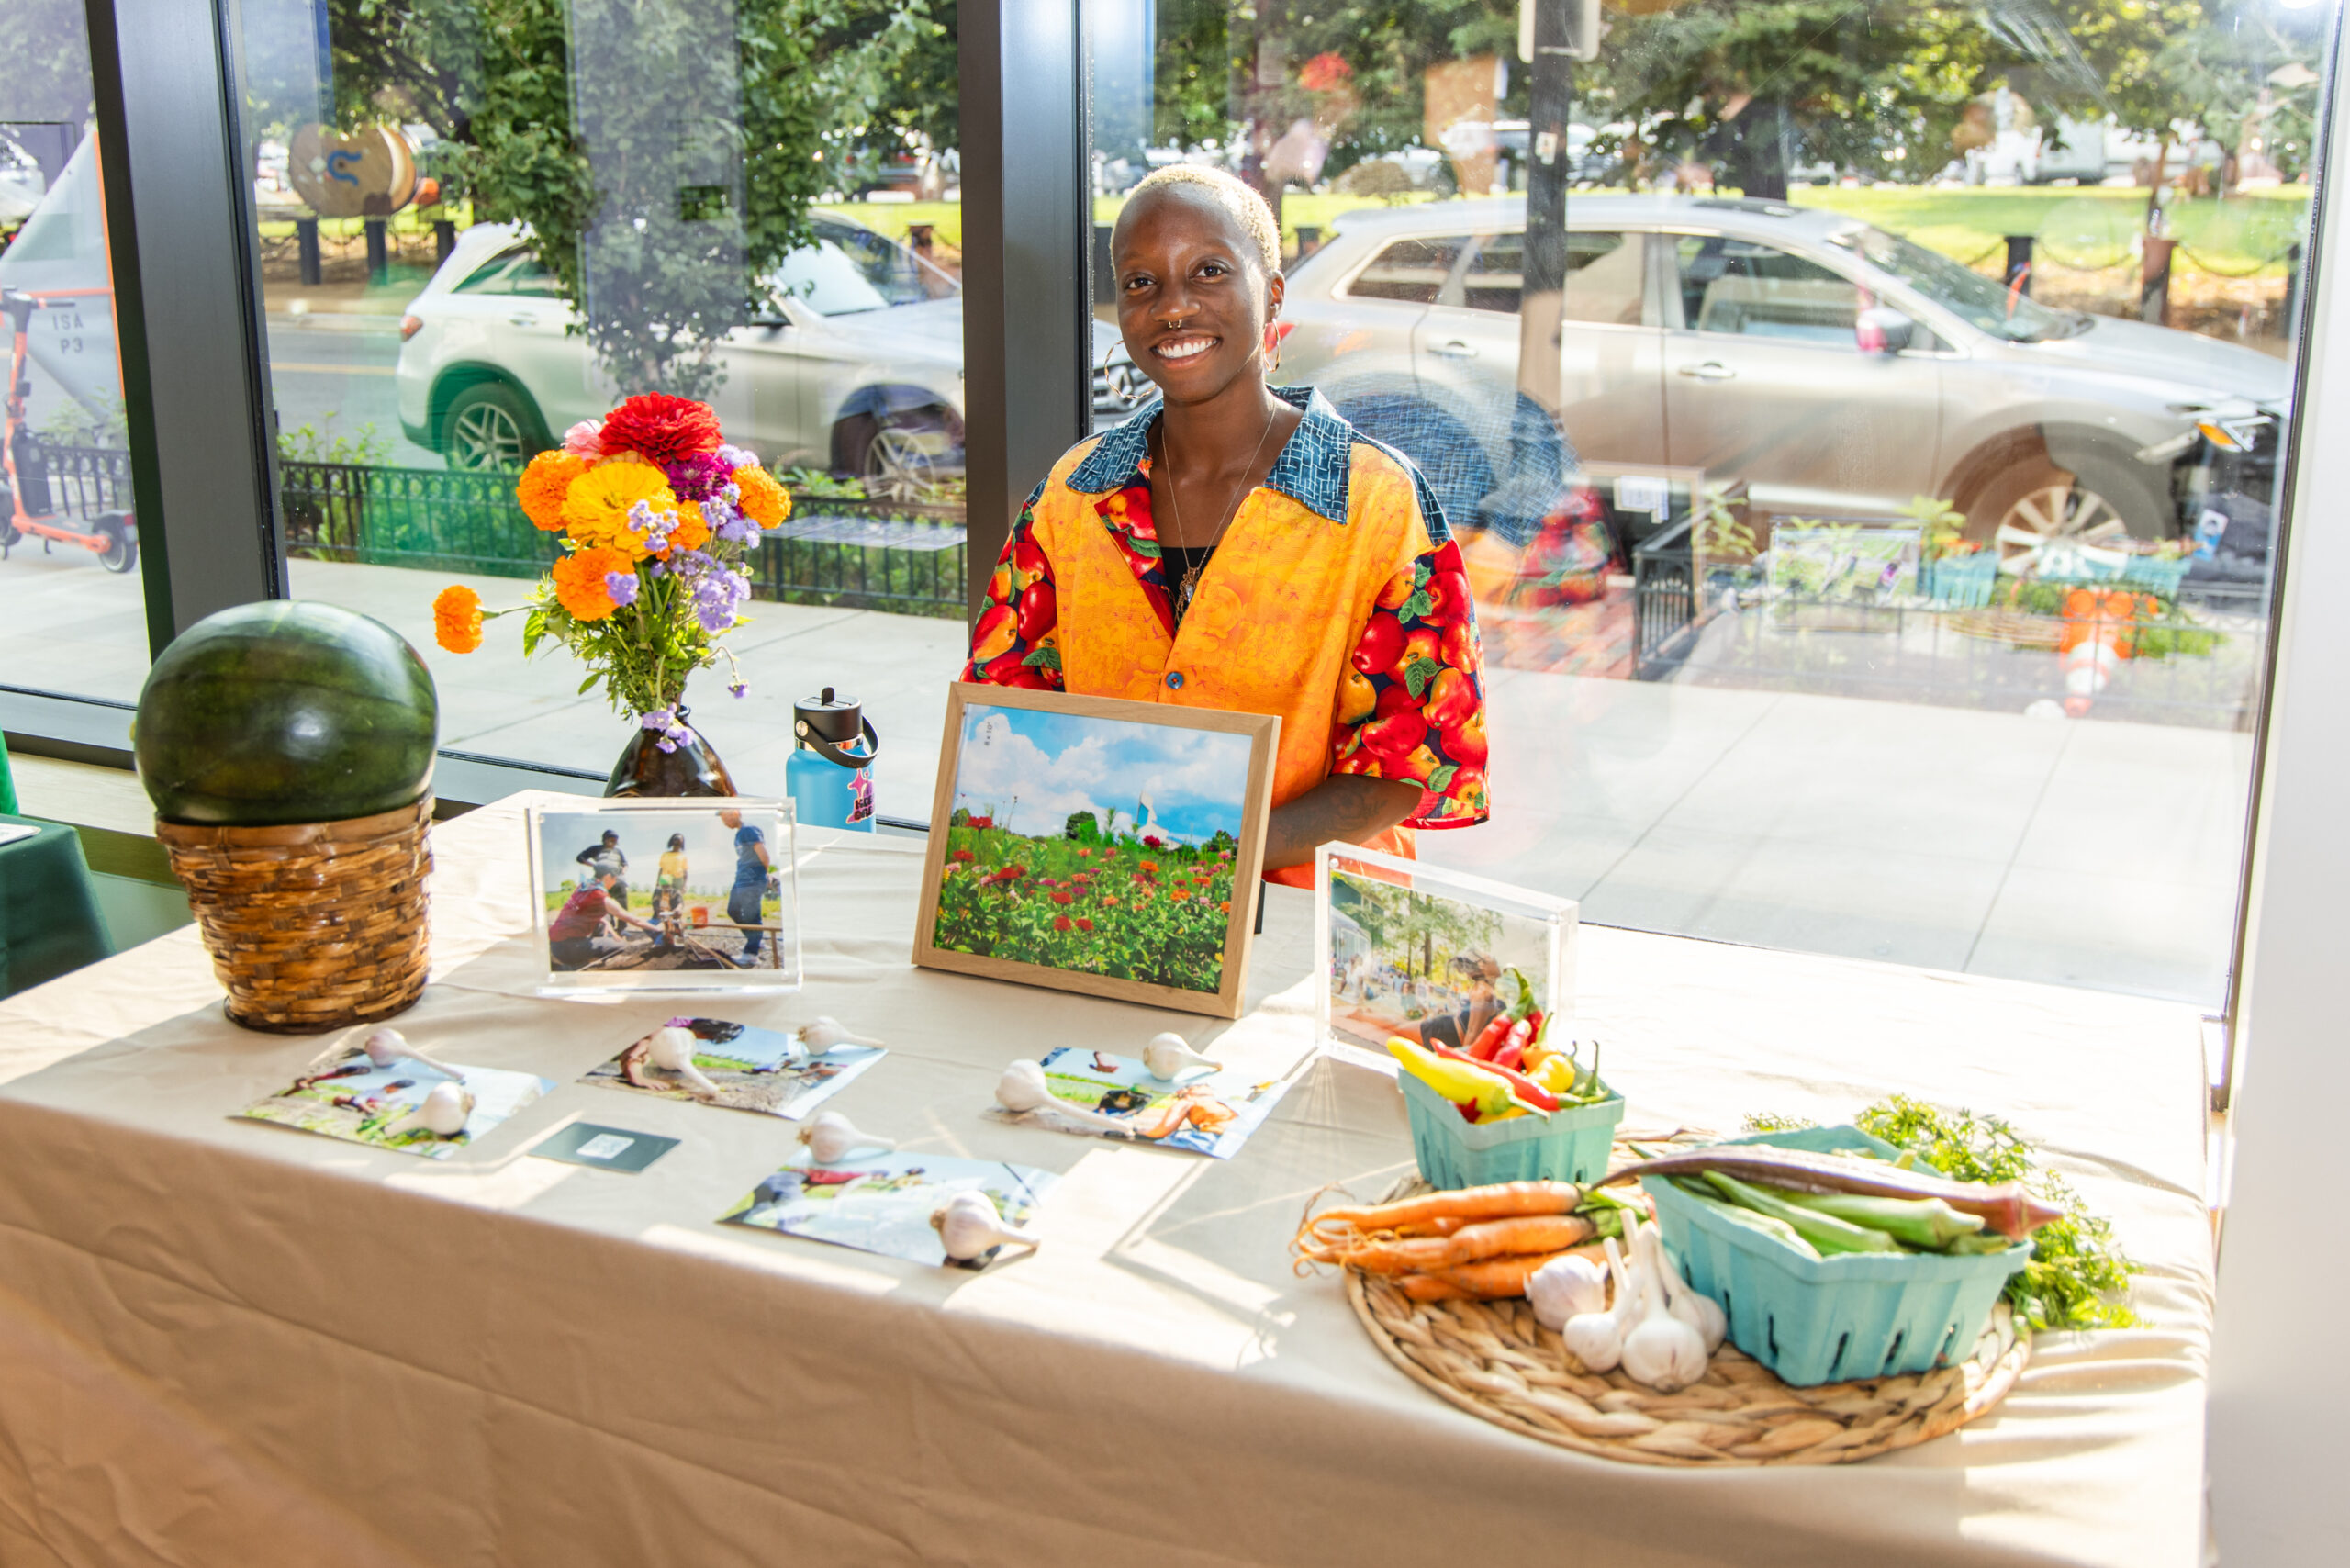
(1094,844)
(649,895)
(1436,957)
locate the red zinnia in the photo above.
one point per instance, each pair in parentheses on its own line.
(1062,923)
(660,428)
(1064,898)
(1083,924)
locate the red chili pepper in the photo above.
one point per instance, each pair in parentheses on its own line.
(1510,1057)
(1468,1109)
(1489,1038)
(1528,1090)
(1519,1034)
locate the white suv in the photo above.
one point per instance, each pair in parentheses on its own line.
(860,370)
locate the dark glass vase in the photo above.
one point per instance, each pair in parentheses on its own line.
(645,769)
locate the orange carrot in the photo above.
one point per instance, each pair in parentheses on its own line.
(1503,1200)
(1490,1238)
(1488,1280)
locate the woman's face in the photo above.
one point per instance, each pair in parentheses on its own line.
(1193,296)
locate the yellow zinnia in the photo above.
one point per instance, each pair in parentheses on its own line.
(595,509)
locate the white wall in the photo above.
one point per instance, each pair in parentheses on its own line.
(2281,1376)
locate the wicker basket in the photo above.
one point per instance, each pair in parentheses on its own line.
(314,926)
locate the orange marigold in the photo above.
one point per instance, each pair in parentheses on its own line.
(762,499)
(579,582)
(545,483)
(691,532)
(456,619)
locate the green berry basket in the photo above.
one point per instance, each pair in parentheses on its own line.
(1571,1145)
(1856,1314)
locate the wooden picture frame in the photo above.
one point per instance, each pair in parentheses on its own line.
(1135,871)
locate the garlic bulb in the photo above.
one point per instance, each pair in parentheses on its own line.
(385,1046)
(831,1137)
(823,1033)
(1566,1287)
(673,1047)
(1024,1091)
(1662,1351)
(1596,1338)
(1169,1054)
(969,1225)
(443,1112)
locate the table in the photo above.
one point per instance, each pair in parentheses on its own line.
(50,921)
(216,1334)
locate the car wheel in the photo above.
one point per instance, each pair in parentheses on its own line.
(2034,503)
(897,455)
(491,425)
(121,553)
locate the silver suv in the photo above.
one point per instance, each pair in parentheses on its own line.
(1836,369)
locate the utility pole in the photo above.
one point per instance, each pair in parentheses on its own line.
(1553,34)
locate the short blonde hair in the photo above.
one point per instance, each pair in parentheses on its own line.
(1246,207)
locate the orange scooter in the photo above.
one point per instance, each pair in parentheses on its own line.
(112,536)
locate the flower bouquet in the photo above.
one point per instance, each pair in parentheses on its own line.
(657,514)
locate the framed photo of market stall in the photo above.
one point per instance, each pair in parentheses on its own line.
(1099,846)
(695,895)
(1435,957)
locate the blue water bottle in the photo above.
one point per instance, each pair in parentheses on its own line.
(830,772)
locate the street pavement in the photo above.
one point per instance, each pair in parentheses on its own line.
(2092,852)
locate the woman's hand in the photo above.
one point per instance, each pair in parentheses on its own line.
(1345,808)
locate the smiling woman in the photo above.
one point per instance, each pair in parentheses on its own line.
(1190,557)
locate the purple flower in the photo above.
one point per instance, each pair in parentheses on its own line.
(652,527)
(673,733)
(737,686)
(621,586)
(726,520)
(699,477)
(735,457)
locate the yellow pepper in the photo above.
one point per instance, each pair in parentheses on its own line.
(1458,1080)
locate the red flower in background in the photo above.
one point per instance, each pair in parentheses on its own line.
(661,429)
(1323,73)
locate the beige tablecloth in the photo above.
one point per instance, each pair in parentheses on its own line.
(227,1343)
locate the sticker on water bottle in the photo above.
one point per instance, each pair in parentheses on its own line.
(860,791)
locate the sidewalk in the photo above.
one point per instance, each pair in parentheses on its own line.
(2095,854)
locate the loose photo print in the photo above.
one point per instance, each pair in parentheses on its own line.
(882,1203)
(1083,845)
(665,895)
(1436,957)
(734,1066)
(1209,1112)
(404,1102)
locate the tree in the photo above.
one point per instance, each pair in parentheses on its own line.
(1083,827)
(47,82)
(664,153)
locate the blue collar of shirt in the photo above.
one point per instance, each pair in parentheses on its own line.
(1312,469)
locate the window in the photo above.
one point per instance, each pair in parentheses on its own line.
(455,311)
(1772,588)
(1756,291)
(72,594)
(1412,272)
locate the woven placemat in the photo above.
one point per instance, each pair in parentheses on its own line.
(1492,1359)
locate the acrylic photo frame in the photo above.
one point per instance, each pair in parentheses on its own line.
(1177,800)
(698,941)
(1409,963)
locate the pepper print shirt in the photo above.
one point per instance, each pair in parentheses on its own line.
(1336,600)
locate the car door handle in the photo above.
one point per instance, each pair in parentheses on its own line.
(1712,370)
(521,320)
(1456,349)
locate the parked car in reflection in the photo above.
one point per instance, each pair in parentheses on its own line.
(1835,368)
(858,370)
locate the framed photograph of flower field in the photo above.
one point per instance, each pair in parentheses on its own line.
(1093,845)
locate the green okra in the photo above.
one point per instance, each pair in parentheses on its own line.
(1826,1232)
(1928,1224)
(1777,1230)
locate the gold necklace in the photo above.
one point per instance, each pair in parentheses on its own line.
(1190,583)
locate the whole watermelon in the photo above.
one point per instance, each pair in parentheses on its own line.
(285,712)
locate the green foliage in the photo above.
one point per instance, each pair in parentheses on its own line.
(1940,524)
(1722,533)
(321,442)
(1158,915)
(1403,924)
(1083,827)
(2078,1276)
(72,424)
(46,45)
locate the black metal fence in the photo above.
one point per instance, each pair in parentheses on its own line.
(838,551)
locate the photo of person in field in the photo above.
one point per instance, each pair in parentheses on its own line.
(711,901)
(1095,845)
